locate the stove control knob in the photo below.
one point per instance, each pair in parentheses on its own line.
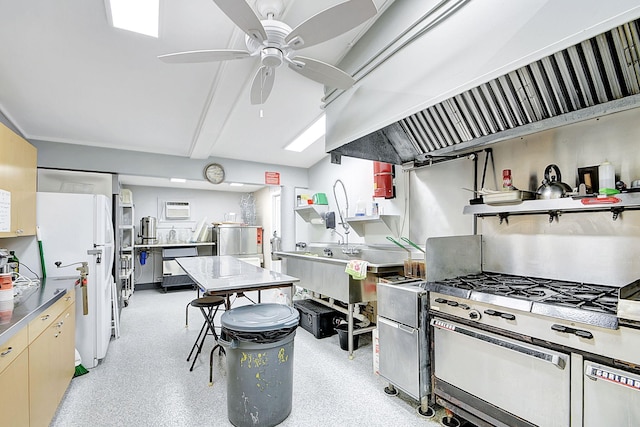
(474,315)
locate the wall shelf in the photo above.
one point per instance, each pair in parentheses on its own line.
(312,213)
(554,207)
(358,223)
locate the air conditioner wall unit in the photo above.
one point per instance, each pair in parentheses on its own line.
(177,210)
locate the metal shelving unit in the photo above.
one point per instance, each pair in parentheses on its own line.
(312,213)
(127,235)
(358,223)
(554,207)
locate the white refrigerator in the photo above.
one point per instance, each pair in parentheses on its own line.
(76,228)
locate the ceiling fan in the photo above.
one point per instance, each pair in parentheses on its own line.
(276,43)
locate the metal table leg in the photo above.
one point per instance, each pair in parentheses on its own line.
(350,328)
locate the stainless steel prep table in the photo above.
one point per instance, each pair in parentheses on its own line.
(172,274)
(223,275)
(32,302)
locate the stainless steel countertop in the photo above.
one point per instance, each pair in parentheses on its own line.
(172,245)
(33,301)
(227,273)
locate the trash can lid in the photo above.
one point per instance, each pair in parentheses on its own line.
(260,317)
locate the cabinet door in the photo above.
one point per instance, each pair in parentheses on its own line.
(399,355)
(51,367)
(18,176)
(14,381)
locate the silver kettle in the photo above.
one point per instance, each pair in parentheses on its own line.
(552,186)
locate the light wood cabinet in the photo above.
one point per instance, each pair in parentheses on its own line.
(18,173)
(51,359)
(14,381)
(44,319)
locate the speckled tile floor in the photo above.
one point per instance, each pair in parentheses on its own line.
(145,378)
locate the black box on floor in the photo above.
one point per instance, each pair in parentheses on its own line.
(317,318)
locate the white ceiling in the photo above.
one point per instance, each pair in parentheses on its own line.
(67,76)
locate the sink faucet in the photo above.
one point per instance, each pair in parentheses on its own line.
(347,250)
(333,231)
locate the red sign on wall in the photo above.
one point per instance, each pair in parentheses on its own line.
(272,178)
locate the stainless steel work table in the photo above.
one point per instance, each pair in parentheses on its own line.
(224,275)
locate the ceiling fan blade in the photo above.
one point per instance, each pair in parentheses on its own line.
(204,56)
(262,84)
(331,23)
(321,72)
(244,17)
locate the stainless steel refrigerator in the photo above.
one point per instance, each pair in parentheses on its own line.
(241,241)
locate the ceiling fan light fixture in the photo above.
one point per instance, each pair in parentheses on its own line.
(271,57)
(139,16)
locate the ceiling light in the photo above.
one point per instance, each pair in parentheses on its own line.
(309,136)
(236,184)
(178,180)
(139,16)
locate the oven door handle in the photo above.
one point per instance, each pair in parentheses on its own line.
(554,359)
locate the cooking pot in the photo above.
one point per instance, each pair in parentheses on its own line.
(552,186)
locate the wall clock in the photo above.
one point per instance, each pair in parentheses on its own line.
(214,173)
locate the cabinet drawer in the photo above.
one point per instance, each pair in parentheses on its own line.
(51,367)
(44,319)
(11,349)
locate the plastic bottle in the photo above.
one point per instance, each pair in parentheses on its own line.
(606,177)
(374,208)
(13,259)
(361,208)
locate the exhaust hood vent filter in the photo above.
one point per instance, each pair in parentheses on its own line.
(602,69)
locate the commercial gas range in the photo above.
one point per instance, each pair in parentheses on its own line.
(512,350)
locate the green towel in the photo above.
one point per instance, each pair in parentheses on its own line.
(357,269)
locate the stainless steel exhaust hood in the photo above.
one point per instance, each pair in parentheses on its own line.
(599,76)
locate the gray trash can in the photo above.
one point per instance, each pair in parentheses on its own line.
(258,340)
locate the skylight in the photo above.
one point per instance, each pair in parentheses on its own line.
(309,136)
(139,16)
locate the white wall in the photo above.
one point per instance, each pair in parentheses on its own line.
(428,201)
(149,201)
(212,205)
(437,199)
(96,159)
(357,176)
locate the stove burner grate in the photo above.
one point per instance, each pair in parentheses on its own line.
(568,294)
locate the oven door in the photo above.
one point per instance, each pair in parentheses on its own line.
(611,396)
(530,382)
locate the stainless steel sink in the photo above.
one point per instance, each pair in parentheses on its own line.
(320,268)
(378,257)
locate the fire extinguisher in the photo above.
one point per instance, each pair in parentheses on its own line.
(383,175)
